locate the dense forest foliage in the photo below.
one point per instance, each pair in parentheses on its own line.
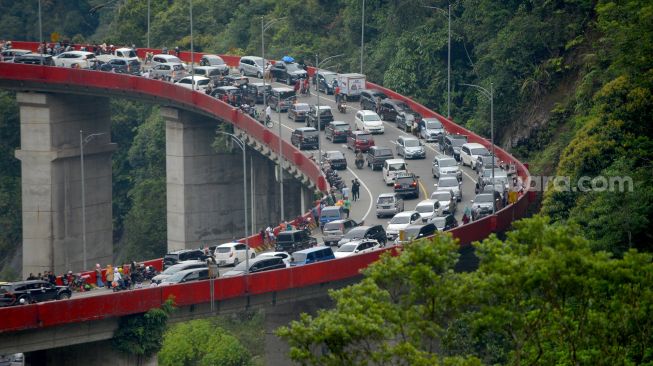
(572,81)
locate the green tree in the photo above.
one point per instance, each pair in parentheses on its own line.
(542,296)
(200,342)
(10,190)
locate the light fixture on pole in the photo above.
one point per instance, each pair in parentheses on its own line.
(319,124)
(82,141)
(448,14)
(264,27)
(490,95)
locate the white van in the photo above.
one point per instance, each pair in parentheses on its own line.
(391,168)
(470,152)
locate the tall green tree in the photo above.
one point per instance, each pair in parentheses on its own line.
(542,296)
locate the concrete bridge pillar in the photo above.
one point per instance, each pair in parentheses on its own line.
(51,181)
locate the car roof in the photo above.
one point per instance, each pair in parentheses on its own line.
(230,244)
(473,145)
(306,129)
(338,123)
(405,213)
(178,251)
(206,67)
(212,56)
(387,195)
(314,249)
(283,89)
(163,55)
(294,231)
(426,202)
(359,132)
(300,104)
(434,119)
(77,53)
(448,177)
(415,226)
(185,271)
(408,138)
(227,87)
(443,191)
(196,77)
(271,254)
(322,107)
(443,158)
(482,194)
(395,161)
(365,112)
(252,57)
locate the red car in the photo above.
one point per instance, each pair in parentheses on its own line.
(360,140)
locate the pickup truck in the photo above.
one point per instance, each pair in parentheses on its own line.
(123,53)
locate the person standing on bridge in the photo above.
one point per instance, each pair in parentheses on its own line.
(98,275)
(355,189)
(109,274)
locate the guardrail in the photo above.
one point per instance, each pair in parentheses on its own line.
(141,300)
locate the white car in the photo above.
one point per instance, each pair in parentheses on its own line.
(470,152)
(356,247)
(231,253)
(368,121)
(393,167)
(450,183)
(283,255)
(400,221)
(199,83)
(167,59)
(447,201)
(74,59)
(428,209)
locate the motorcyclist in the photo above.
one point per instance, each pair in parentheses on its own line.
(268,114)
(359,157)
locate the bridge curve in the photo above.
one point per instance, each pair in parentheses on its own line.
(48,314)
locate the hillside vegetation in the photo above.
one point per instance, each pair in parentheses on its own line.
(572,81)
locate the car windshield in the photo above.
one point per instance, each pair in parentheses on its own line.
(447,163)
(177,277)
(177,67)
(371,118)
(329,78)
(172,270)
(483,198)
(325,112)
(458,142)
(439,222)
(400,220)
(173,59)
(396,166)
(299,257)
(411,143)
(334,154)
(332,226)
(310,133)
(412,231)
(480,151)
(172,257)
(355,234)
(406,180)
(347,248)
(291,67)
(433,124)
(384,152)
(286,94)
(425,208)
(216,61)
(364,137)
(341,127)
(203,82)
(301,107)
(385,200)
(223,249)
(441,196)
(447,182)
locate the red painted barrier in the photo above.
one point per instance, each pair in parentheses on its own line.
(138,301)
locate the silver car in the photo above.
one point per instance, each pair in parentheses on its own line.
(251,65)
(170,71)
(432,128)
(447,201)
(445,166)
(450,183)
(482,205)
(389,204)
(215,61)
(334,231)
(410,148)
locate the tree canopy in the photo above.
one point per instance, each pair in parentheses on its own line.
(542,296)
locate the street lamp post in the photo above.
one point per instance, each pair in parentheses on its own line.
(448,13)
(82,141)
(490,95)
(319,124)
(148,24)
(192,50)
(264,27)
(362,34)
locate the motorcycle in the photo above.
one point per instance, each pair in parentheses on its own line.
(359,163)
(342,106)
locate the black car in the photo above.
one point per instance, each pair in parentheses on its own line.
(34,59)
(121,66)
(298,111)
(406,184)
(444,223)
(228,94)
(255,93)
(236,80)
(31,291)
(294,240)
(451,145)
(288,72)
(375,232)
(376,155)
(418,231)
(325,116)
(392,108)
(336,159)
(323,81)
(177,256)
(337,131)
(370,98)
(281,98)
(304,138)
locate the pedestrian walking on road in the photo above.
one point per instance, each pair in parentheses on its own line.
(355,189)
(345,192)
(346,206)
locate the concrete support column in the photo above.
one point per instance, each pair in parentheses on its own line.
(204,189)
(51,181)
(293,197)
(266,192)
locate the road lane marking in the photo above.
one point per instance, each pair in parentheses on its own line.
(424,192)
(362,182)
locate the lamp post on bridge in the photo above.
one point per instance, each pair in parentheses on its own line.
(82,141)
(490,95)
(448,14)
